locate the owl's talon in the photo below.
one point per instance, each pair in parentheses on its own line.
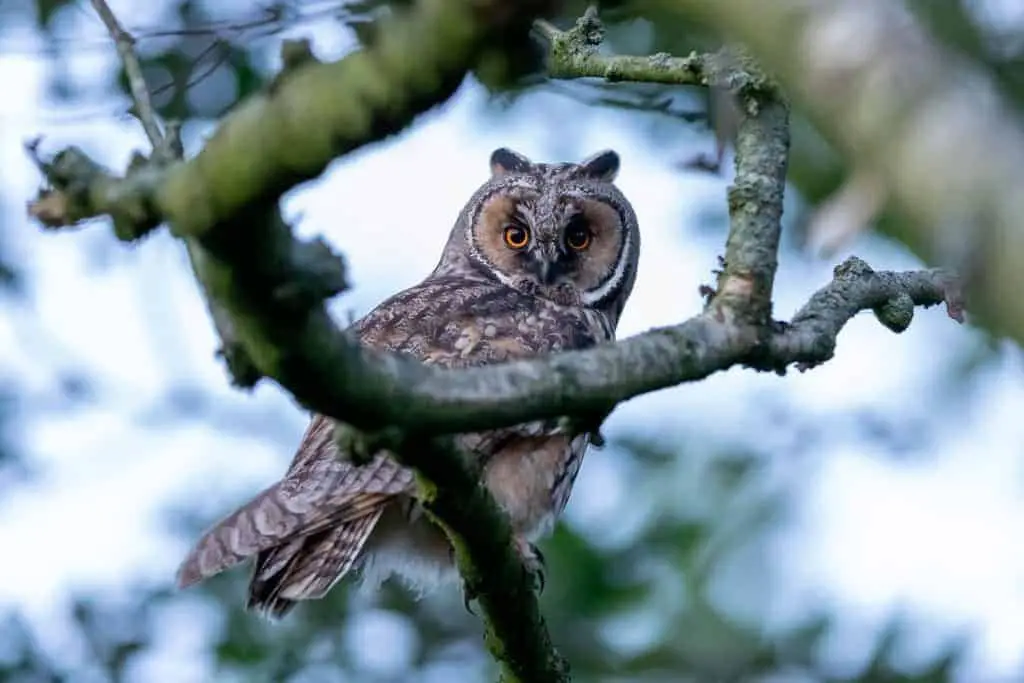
(540,580)
(468,596)
(538,568)
(533,563)
(539,555)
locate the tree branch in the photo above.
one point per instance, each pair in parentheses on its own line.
(168,148)
(515,631)
(125,44)
(755,204)
(331,373)
(932,127)
(573,53)
(272,287)
(810,338)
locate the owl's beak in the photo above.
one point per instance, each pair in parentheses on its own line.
(546,265)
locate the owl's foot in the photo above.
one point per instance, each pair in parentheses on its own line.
(533,562)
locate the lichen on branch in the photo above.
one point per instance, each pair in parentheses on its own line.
(573,53)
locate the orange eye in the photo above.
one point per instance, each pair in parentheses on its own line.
(516,236)
(577,237)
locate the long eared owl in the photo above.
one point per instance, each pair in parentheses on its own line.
(541,259)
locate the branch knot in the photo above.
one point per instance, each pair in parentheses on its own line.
(316,273)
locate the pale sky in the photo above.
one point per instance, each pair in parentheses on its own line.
(870,533)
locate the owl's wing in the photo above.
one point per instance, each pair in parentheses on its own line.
(306,567)
(572,458)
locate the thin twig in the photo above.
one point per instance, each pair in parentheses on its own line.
(133,69)
(218,45)
(168,147)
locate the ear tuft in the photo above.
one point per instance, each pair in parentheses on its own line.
(504,160)
(601,166)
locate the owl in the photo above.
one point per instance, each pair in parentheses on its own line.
(541,259)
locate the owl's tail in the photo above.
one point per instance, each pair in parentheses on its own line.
(306,568)
(287,535)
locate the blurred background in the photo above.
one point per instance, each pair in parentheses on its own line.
(859,522)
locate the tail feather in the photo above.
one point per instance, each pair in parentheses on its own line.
(269,520)
(306,568)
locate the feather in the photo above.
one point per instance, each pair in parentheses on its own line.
(306,568)
(338,493)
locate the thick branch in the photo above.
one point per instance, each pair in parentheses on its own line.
(932,127)
(491,570)
(329,372)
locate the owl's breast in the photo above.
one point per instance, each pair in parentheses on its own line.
(456,322)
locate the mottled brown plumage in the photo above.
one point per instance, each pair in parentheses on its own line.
(541,259)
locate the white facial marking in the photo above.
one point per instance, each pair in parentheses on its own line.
(592,296)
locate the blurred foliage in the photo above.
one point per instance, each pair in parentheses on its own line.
(662,581)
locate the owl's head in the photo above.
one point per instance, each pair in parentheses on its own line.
(562,231)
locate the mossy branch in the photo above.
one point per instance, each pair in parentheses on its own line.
(574,53)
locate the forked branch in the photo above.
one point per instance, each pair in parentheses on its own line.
(927,128)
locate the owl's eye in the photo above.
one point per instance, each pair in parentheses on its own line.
(577,235)
(516,236)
